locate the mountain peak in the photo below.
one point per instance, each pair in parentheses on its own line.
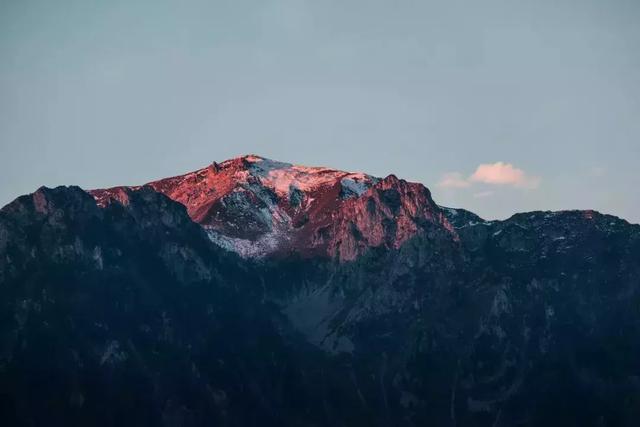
(284,177)
(257,206)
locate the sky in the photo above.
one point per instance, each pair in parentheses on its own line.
(496,106)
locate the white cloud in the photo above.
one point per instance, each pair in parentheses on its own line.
(500,173)
(453,180)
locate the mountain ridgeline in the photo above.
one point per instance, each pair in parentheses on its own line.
(259,293)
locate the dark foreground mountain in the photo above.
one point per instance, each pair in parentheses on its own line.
(271,294)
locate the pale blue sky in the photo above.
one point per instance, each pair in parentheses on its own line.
(101,93)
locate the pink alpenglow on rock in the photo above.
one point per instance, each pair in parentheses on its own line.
(257,207)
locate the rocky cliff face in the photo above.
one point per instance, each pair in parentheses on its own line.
(257,207)
(372,305)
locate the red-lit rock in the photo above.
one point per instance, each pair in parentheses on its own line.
(256,206)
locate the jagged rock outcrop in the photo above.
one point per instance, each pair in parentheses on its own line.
(256,207)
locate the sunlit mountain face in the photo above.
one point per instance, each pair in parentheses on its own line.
(254,292)
(258,207)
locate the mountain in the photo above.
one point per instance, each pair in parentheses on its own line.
(256,207)
(259,293)
(128,315)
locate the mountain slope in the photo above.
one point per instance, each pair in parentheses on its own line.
(128,315)
(256,206)
(404,313)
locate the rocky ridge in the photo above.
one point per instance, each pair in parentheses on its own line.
(257,207)
(404,313)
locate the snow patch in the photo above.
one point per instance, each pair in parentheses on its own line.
(259,248)
(281,177)
(355,185)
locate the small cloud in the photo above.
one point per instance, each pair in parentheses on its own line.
(598,171)
(483,194)
(500,173)
(453,180)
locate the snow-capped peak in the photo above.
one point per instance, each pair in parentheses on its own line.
(257,206)
(282,177)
